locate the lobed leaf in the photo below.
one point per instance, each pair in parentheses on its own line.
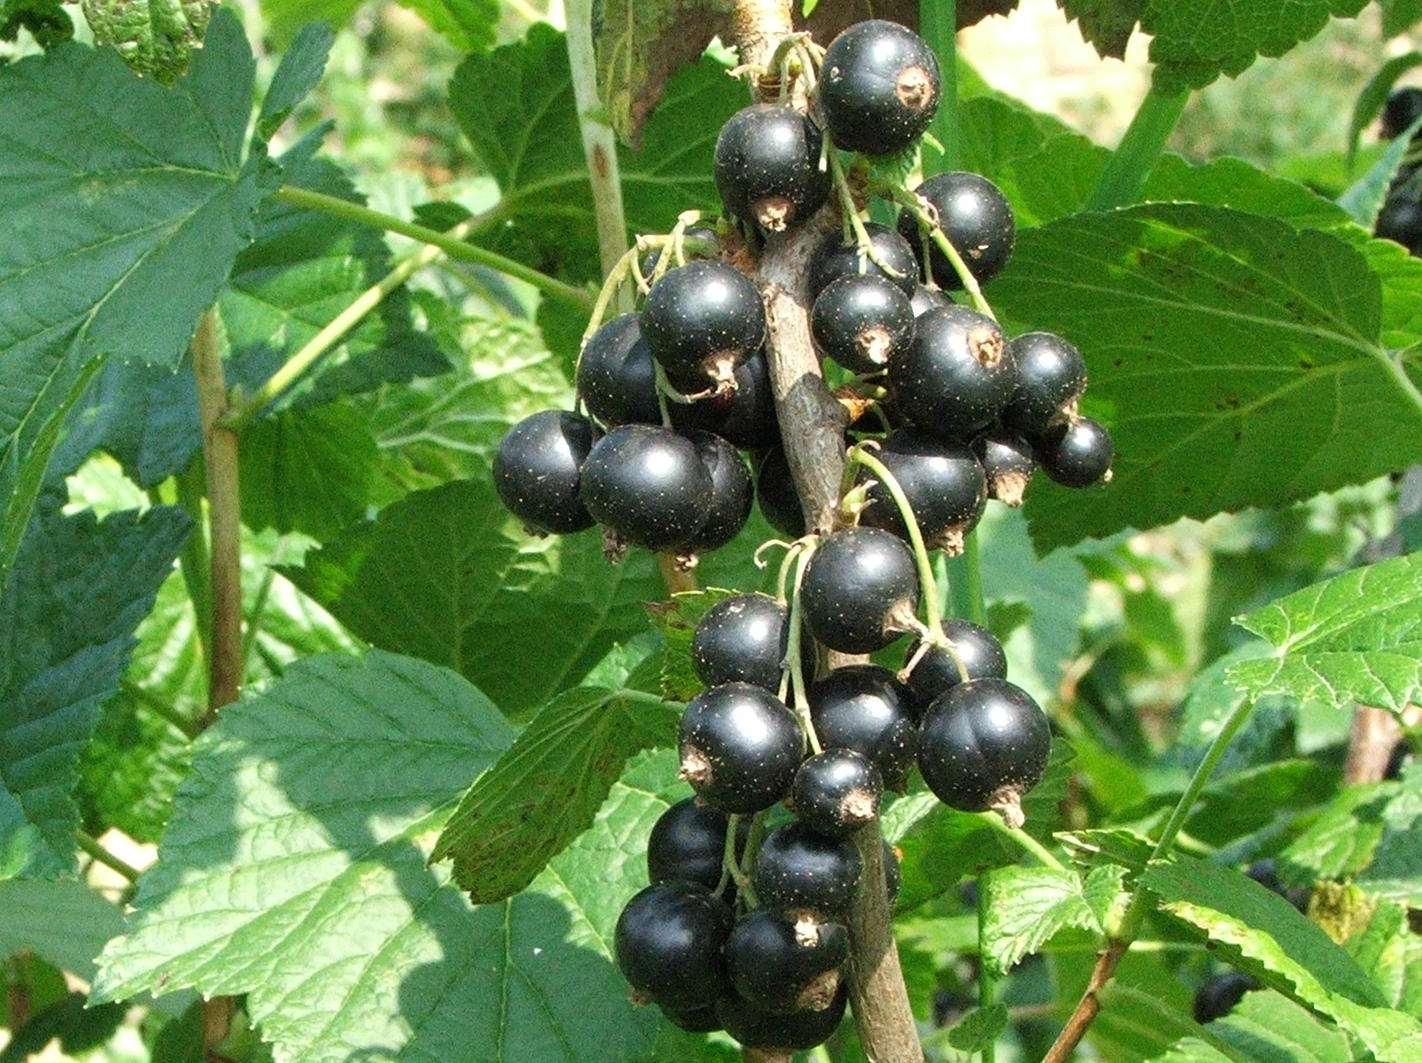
(155,37)
(65,922)
(1028,905)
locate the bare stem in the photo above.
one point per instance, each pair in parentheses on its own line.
(91,845)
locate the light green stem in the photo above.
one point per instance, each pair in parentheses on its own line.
(1020,838)
(938,25)
(1135,157)
(928,584)
(159,707)
(90,845)
(987,982)
(965,581)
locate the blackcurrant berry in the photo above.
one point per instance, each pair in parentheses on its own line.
(537,471)
(1402,755)
(1218,997)
(732,493)
(860,321)
(863,707)
(688,842)
(767,166)
(689,251)
(1008,463)
(740,747)
(701,321)
(693,1020)
(880,86)
(1403,107)
(834,258)
(956,376)
(743,639)
(616,376)
(1400,220)
(744,417)
(983,745)
(1266,873)
(1076,453)
(944,483)
(975,216)
(775,491)
(755,1027)
(860,590)
(648,485)
(1050,376)
(935,671)
(806,876)
(779,969)
(668,944)
(837,792)
(925,298)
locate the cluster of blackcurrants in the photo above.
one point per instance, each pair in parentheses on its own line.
(1400,217)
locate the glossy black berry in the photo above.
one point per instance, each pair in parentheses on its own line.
(1008,463)
(1218,997)
(693,1020)
(616,376)
(983,745)
(944,482)
(863,707)
(767,166)
(806,876)
(668,944)
(688,842)
(956,376)
(935,671)
(732,493)
(1403,107)
(755,1027)
(1051,375)
(701,321)
(835,258)
(975,216)
(860,321)
(1400,219)
(775,491)
(740,747)
(743,639)
(860,590)
(1266,873)
(537,471)
(925,298)
(1398,761)
(744,417)
(648,485)
(837,792)
(691,252)
(1077,453)
(879,87)
(780,968)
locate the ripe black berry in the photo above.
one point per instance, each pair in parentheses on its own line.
(806,876)
(925,298)
(860,590)
(767,166)
(688,842)
(732,492)
(1077,453)
(693,1020)
(1050,375)
(936,671)
(944,483)
(743,639)
(860,321)
(754,1027)
(648,484)
(836,792)
(668,944)
(983,745)
(537,471)
(1400,219)
(781,969)
(957,375)
(1008,463)
(744,417)
(1218,997)
(616,376)
(1403,107)
(879,87)
(701,321)
(975,216)
(864,708)
(740,747)
(775,491)
(690,251)
(835,258)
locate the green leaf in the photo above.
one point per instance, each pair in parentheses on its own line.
(546,789)
(45,20)
(1364,198)
(449,576)
(640,43)
(295,871)
(1236,361)
(516,107)
(1375,93)
(1028,905)
(1342,838)
(300,70)
(676,621)
(155,37)
(1399,16)
(77,1027)
(1235,183)
(1262,934)
(1189,50)
(469,25)
(1392,954)
(169,206)
(1355,637)
(78,590)
(1106,24)
(65,922)
(1269,1027)
(308,470)
(978,1029)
